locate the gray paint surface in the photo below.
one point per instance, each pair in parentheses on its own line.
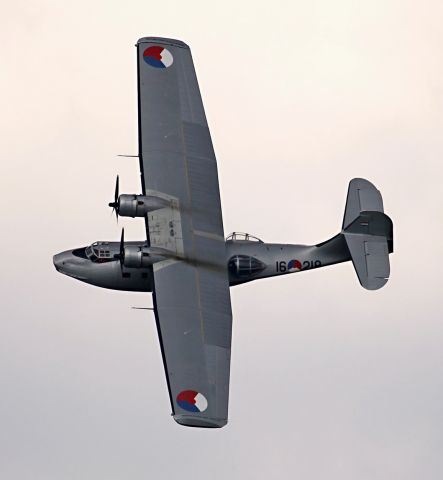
(192,300)
(185,260)
(368,233)
(354,90)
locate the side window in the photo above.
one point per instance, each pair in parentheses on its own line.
(243,266)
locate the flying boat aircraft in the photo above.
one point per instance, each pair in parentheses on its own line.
(185,260)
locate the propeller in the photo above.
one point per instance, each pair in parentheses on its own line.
(122,248)
(114,204)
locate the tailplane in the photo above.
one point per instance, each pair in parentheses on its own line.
(368,232)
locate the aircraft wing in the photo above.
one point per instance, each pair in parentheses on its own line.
(191,288)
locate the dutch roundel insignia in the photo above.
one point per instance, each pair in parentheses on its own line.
(158,57)
(294,265)
(192,401)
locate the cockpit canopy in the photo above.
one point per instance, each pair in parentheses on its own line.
(99,252)
(242,237)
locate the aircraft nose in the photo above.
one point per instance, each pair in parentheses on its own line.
(57,261)
(71,265)
(60,259)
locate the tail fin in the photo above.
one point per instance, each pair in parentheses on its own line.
(368,233)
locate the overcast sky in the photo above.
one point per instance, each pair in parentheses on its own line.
(328,380)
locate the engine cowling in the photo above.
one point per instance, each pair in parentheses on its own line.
(139,205)
(141,257)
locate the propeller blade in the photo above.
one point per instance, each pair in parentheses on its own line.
(116,195)
(122,247)
(114,204)
(116,189)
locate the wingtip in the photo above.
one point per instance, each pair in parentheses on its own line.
(163,41)
(200,422)
(374,283)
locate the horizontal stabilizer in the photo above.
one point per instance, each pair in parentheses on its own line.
(373,224)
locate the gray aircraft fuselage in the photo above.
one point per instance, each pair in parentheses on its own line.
(247,259)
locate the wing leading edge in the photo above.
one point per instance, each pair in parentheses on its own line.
(191,288)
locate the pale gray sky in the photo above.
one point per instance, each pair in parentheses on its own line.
(328,380)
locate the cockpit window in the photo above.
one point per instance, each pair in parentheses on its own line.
(80,252)
(90,253)
(97,254)
(245,237)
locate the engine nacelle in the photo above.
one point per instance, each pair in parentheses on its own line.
(139,205)
(140,257)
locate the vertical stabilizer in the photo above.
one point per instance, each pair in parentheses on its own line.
(362,196)
(368,233)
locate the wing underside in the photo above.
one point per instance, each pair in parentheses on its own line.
(191,288)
